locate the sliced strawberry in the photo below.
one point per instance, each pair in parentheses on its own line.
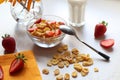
(108,43)
(32,29)
(50,33)
(38,21)
(57,32)
(52,22)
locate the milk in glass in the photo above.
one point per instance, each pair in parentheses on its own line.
(77,12)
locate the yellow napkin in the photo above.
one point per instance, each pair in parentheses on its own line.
(29,72)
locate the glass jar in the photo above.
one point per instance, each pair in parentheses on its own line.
(21,12)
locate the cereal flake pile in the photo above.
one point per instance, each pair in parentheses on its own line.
(64,58)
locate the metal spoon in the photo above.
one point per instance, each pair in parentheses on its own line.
(71,31)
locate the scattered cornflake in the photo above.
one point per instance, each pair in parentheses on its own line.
(65,57)
(96,70)
(61,65)
(49,63)
(56,72)
(59,77)
(66,63)
(84,71)
(74,74)
(75,51)
(78,67)
(62,48)
(88,62)
(45,71)
(66,76)
(54,61)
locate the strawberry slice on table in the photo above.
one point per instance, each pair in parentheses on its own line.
(17,64)
(107,43)
(100,29)
(1,73)
(8,43)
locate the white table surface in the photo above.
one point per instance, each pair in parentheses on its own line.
(96,11)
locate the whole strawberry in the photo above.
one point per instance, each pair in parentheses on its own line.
(8,43)
(100,29)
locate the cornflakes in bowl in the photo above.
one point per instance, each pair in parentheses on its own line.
(45,31)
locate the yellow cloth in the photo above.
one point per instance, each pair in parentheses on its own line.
(29,72)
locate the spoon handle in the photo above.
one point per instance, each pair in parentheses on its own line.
(100,53)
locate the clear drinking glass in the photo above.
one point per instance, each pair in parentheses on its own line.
(21,13)
(77,12)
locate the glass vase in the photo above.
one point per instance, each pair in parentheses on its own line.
(25,11)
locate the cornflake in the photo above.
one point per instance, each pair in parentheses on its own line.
(96,70)
(61,65)
(49,63)
(56,72)
(66,63)
(59,77)
(66,76)
(62,48)
(45,71)
(78,67)
(57,56)
(84,71)
(65,47)
(75,51)
(54,61)
(74,74)
(89,62)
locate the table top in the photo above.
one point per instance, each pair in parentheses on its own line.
(96,11)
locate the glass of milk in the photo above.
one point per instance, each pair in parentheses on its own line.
(77,12)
